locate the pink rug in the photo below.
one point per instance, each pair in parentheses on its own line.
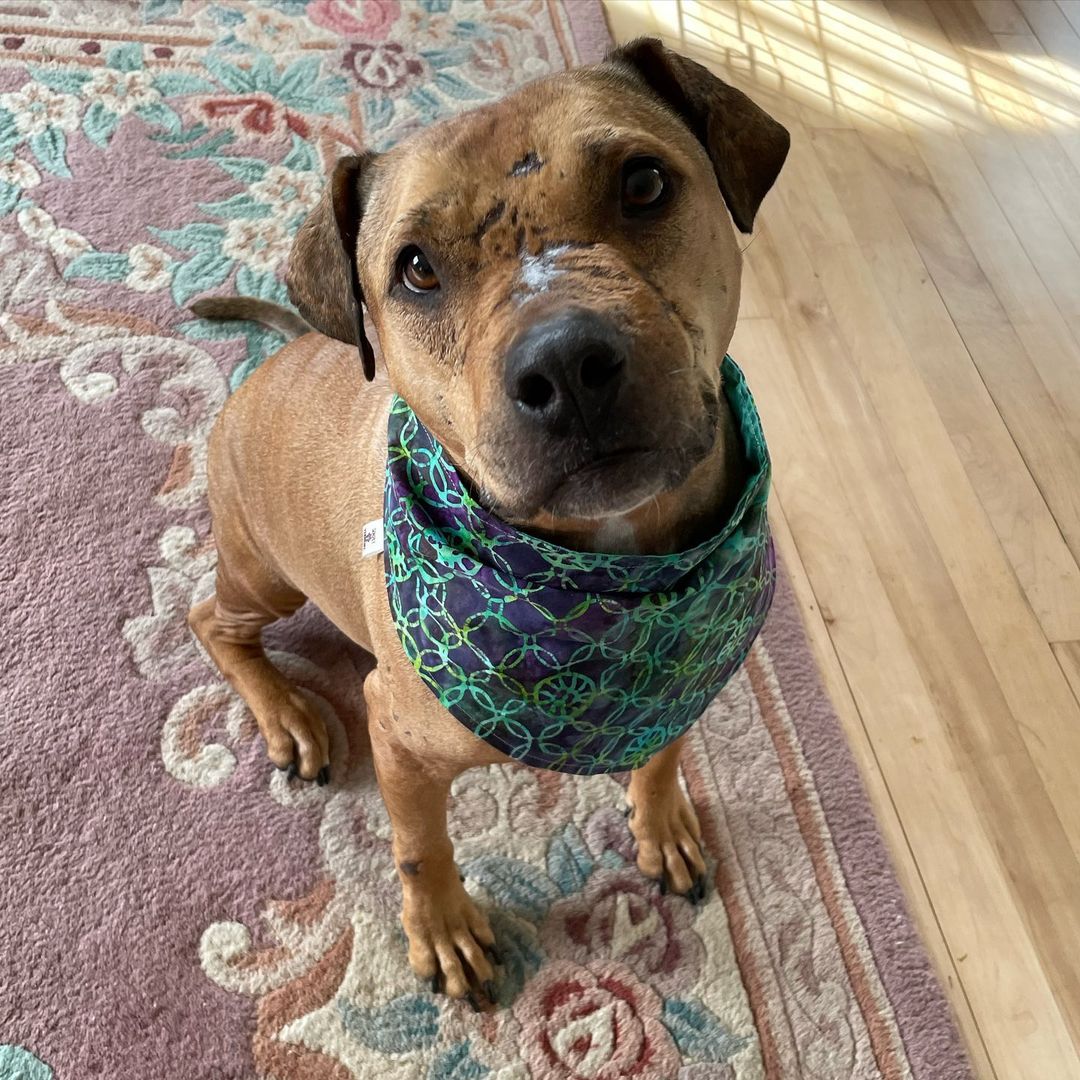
(171,908)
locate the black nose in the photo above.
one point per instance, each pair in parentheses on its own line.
(566,370)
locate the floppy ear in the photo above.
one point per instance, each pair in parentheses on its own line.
(746,145)
(323,280)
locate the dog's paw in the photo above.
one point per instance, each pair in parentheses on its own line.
(669,844)
(296,737)
(451,945)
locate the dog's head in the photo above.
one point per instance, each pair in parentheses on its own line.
(554,278)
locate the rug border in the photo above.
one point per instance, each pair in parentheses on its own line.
(588,24)
(924,1015)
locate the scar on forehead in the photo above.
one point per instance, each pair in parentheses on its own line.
(489,219)
(530,163)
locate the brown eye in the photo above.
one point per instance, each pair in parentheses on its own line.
(416,271)
(645,185)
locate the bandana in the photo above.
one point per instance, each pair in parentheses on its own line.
(577,661)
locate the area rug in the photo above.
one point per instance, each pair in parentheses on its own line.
(172,907)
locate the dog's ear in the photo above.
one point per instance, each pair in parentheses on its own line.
(323,280)
(746,145)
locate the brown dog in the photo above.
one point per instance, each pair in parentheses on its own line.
(499,255)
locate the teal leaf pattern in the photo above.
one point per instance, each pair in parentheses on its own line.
(699,1034)
(569,863)
(231,77)
(228,16)
(203,150)
(457,1063)
(9,197)
(50,148)
(514,885)
(200,273)
(301,157)
(456,87)
(521,953)
(61,79)
(260,283)
(243,168)
(406,1023)
(237,206)
(181,83)
(155,10)
(127,57)
(199,234)
(99,123)
(9,133)
(99,265)
(182,137)
(299,77)
(162,115)
(19,1064)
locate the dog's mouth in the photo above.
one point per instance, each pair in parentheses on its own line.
(619,481)
(610,483)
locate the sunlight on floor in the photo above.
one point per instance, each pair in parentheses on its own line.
(847,59)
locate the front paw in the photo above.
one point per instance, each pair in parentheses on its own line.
(669,843)
(297,741)
(450,941)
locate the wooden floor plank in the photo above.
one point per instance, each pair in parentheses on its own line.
(998,473)
(1058,36)
(1026,405)
(908,726)
(1068,655)
(1034,315)
(902,432)
(1045,231)
(1057,101)
(1071,10)
(1001,16)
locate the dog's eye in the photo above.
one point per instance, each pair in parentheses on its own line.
(645,185)
(416,271)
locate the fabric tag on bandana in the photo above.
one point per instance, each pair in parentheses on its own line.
(373,538)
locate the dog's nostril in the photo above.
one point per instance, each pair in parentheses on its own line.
(535,392)
(599,368)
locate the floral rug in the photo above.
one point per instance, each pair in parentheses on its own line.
(170,906)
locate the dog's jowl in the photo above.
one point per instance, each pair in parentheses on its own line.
(541,504)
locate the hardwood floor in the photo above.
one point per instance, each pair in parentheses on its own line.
(911,329)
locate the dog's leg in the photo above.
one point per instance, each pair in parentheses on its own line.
(450,940)
(229,625)
(665,826)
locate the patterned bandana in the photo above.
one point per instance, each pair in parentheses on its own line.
(576,661)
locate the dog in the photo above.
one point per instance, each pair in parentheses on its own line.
(554,281)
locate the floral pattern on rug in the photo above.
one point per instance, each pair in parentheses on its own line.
(153,152)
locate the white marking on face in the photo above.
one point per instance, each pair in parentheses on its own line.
(539,271)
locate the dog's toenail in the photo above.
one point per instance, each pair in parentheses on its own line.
(663,886)
(470,997)
(489,991)
(696,893)
(437,983)
(324,776)
(290,771)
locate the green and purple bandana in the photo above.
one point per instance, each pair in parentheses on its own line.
(577,661)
